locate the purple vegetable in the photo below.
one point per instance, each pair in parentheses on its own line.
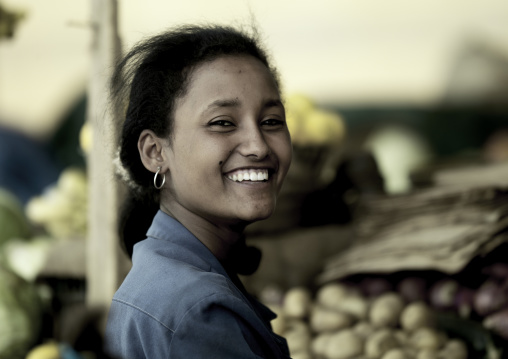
(464,300)
(442,294)
(272,294)
(372,287)
(489,298)
(497,271)
(413,289)
(498,323)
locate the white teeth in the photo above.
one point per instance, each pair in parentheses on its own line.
(250,175)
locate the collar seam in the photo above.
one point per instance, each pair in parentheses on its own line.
(144,312)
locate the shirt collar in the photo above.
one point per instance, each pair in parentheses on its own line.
(166,228)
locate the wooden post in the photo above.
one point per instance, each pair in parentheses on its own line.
(103,257)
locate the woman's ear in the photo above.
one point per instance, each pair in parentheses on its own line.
(150,148)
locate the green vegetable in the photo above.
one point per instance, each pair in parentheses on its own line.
(13,222)
(20,315)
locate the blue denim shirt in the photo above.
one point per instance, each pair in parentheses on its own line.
(179,302)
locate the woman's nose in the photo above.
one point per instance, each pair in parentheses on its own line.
(253,144)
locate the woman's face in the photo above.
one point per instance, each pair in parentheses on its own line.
(230,147)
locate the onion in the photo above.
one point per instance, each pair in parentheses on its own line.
(464,300)
(442,294)
(497,271)
(489,298)
(498,323)
(413,289)
(373,287)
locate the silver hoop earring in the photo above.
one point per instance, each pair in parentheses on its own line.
(155,179)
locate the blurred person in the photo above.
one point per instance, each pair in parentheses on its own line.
(26,166)
(205,149)
(495,148)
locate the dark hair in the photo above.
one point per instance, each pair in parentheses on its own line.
(147,82)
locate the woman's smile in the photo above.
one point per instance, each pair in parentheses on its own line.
(250,175)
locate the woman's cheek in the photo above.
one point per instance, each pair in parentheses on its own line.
(288,152)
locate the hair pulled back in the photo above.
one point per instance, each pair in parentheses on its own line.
(144,88)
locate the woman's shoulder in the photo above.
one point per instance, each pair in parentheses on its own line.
(167,288)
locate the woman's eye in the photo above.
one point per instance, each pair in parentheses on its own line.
(272,122)
(221,123)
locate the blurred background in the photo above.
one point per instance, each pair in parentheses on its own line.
(399,117)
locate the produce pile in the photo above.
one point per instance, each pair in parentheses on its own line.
(443,246)
(487,303)
(478,294)
(62,209)
(27,236)
(311,125)
(20,315)
(342,322)
(13,222)
(317,135)
(31,238)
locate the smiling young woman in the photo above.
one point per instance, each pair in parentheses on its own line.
(206,149)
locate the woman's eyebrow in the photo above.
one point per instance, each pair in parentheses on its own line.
(273,103)
(223,103)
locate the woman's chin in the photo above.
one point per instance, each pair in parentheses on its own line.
(255,216)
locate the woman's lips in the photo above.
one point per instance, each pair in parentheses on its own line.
(253,175)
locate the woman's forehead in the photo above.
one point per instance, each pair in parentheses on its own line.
(229,63)
(223,82)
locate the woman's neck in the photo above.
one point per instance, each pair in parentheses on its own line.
(220,239)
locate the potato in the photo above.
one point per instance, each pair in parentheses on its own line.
(427,338)
(301,355)
(454,349)
(297,302)
(47,350)
(427,354)
(416,315)
(380,342)
(298,336)
(396,353)
(319,343)
(363,329)
(322,320)
(296,325)
(402,337)
(331,294)
(385,310)
(344,344)
(354,305)
(279,323)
